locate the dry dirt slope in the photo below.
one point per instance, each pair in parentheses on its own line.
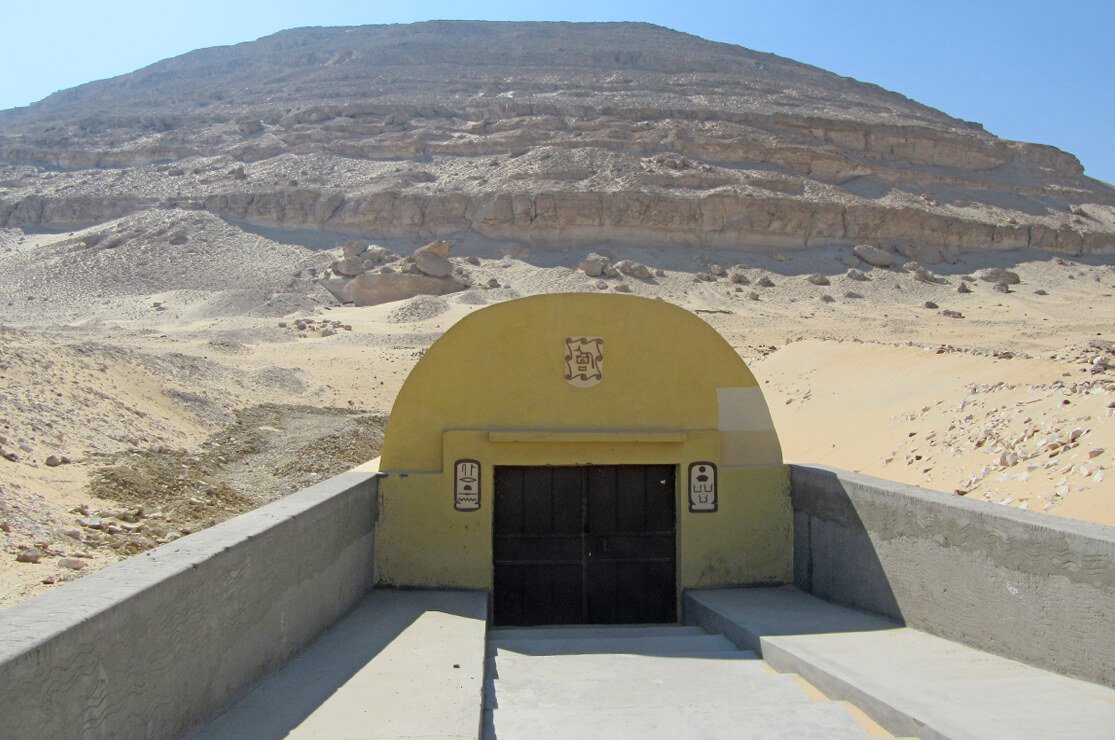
(193,419)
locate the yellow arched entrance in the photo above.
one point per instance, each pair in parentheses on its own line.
(579,380)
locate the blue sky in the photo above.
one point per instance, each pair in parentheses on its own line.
(1027,70)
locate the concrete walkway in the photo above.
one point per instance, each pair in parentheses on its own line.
(911,682)
(645,682)
(402,664)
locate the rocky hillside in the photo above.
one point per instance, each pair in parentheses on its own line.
(545,134)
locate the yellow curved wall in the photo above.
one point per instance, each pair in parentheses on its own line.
(493,389)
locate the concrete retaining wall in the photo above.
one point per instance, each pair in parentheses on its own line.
(153,645)
(1032,587)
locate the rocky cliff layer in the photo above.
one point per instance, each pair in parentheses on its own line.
(546,134)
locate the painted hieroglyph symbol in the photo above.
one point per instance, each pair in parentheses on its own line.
(702,487)
(466,485)
(584,361)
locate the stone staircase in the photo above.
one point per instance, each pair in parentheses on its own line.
(652,681)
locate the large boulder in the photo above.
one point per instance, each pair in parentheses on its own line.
(593,265)
(370,290)
(352,250)
(348,267)
(432,264)
(336,286)
(873,255)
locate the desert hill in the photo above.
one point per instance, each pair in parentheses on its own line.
(546,134)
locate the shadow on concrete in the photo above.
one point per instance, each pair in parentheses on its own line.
(284,699)
(834,556)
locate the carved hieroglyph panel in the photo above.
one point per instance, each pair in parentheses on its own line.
(584,361)
(702,487)
(466,485)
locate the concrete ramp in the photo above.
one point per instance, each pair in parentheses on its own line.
(401,664)
(645,682)
(910,682)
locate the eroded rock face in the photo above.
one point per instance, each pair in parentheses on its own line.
(559,136)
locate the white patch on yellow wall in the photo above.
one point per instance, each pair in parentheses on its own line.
(743,410)
(584,361)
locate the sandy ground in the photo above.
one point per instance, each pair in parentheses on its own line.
(172,402)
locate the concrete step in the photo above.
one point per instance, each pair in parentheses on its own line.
(910,682)
(777,721)
(728,662)
(602,643)
(401,664)
(663,687)
(581,630)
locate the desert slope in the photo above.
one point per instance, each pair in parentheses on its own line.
(546,134)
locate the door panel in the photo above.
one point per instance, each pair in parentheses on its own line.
(592,544)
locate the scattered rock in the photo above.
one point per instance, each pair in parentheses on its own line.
(765,282)
(854,274)
(922,275)
(493,283)
(633,269)
(930,304)
(601,285)
(53,461)
(752,296)
(718,270)
(963,288)
(1000,288)
(622,288)
(739,278)
(440,248)
(826,298)
(660,273)
(1095,452)
(952,314)
(999,275)
(1041,291)
(473,260)
(348,268)
(178,238)
(30,555)
(873,255)
(852,295)
(818,279)
(593,265)
(72,563)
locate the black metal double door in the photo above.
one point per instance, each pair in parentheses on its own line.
(584,545)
